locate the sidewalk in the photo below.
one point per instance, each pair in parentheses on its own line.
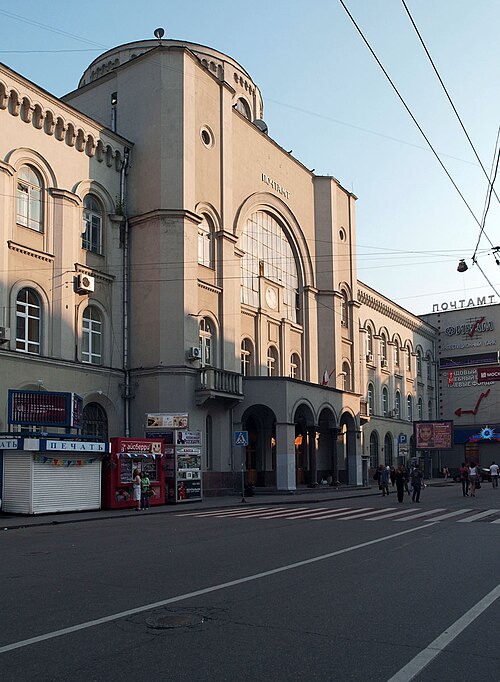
(302,496)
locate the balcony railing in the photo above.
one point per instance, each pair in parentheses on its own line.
(364,411)
(218,383)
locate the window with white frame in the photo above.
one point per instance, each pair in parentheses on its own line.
(295,372)
(371,400)
(246,357)
(344,310)
(420,409)
(92,224)
(396,353)
(397,405)
(419,363)
(409,408)
(205,340)
(408,358)
(383,349)
(373,450)
(28,321)
(369,341)
(385,402)
(272,361)
(206,239)
(29,199)
(92,336)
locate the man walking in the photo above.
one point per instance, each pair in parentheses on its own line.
(416,483)
(384,480)
(494,474)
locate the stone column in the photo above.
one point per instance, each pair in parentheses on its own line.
(285,457)
(311,451)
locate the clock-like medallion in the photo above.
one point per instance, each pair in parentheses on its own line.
(272,298)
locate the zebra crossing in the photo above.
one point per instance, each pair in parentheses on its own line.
(396,514)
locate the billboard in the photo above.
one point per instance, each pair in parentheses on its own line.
(487,374)
(45,408)
(433,435)
(469,360)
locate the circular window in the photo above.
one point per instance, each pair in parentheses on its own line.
(207,137)
(342,234)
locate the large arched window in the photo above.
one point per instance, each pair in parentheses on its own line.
(408,358)
(385,401)
(272,362)
(344,310)
(28,322)
(295,366)
(206,238)
(369,342)
(397,405)
(429,367)
(92,336)
(383,350)
(95,421)
(419,363)
(206,341)
(243,108)
(92,224)
(29,199)
(396,353)
(388,458)
(373,450)
(371,400)
(346,375)
(246,357)
(268,254)
(409,408)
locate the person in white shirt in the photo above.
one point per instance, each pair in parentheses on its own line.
(474,478)
(494,474)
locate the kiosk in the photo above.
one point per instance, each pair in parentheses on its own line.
(127,454)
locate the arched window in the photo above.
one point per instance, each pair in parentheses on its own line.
(272,362)
(28,321)
(383,350)
(385,402)
(409,408)
(346,373)
(429,410)
(29,199)
(373,450)
(371,400)
(429,368)
(92,224)
(95,421)
(369,341)
(246,357)
(420,409)
(206,237)
(397,405)
(388,458)
(295,369)
(242,107)
(92,336)
(419,363)
(205,339)
(408,358)
(396,353)
(344,310)
(267,253)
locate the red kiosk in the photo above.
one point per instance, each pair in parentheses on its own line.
(127,454)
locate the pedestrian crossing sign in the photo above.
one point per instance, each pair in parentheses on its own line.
(241,437)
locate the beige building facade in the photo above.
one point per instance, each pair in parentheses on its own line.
(225,278)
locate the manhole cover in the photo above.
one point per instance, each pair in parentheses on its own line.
(174,620)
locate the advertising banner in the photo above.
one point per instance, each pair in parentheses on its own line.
(487,374)
(167,420)
(433,435)
(45,408)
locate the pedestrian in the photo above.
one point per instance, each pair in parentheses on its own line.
(494,474)
(407,478)
(145,485)
(136,487)
(384,480)
(474,479)
(446,473)
(392,475)
(400,482)
(464,479)
(416,483)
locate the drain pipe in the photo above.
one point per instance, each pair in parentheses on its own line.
(126,289)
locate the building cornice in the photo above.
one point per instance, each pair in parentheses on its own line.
(209,287)
(165,213)
(28,251)
(92,272)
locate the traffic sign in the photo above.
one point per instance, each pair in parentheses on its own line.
(241,437)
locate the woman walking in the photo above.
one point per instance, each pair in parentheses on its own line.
(400,483)
(474,479)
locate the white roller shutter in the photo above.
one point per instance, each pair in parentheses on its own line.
(66,488)
(17,481)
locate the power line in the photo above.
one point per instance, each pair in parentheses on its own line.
(448,96)
(411,115)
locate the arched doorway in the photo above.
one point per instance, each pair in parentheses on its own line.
(259,457)
(305,445)
(95,421)
(327,446)
(347,450)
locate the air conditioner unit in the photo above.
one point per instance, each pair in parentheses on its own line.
(195,353)
(369,357)
(4,334)
(84,284)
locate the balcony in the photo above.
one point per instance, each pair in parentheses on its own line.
(218,384)
(364,412)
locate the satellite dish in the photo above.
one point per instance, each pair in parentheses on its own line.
(159,33)
(261,125)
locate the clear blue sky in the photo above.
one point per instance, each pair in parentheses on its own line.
(326,98)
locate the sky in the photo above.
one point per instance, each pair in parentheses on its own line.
(327,99)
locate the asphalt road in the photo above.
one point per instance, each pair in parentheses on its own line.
(282,592)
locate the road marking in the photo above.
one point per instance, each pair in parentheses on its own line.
(392,514)
(228,512)
(338,513)
(421,514)
(489,512)
(272,513)
(421,660)
(368,513)
(206,590)
(449,515)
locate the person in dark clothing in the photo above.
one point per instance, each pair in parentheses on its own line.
(464,479)
(384,480)
(416,483)
(407,478)
(400,482)
(392,475)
